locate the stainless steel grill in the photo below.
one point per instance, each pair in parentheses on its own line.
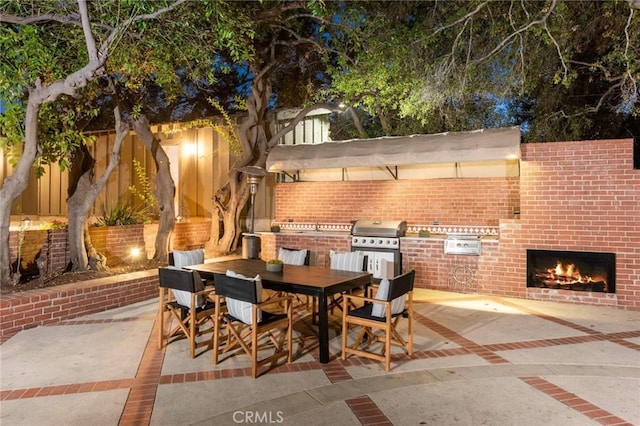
(380,242)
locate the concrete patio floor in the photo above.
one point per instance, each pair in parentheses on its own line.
(477,360)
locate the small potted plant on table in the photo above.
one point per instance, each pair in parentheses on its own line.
(274,265)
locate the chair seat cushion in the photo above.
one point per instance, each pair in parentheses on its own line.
(242,310)
(366,313)
(397,304)
(206,306)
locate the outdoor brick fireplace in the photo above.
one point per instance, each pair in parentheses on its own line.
(571,270)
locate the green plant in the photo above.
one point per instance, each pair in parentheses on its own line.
(123,213)
(275,262)
(54,224)
(145,194)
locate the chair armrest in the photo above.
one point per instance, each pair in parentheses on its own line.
(207,293)
(348,297)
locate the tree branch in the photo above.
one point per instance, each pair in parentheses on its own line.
(505,41)
(463,19)
(633,97)
(86,29)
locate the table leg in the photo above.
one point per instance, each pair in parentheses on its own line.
(323,328)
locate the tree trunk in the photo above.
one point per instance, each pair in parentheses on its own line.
(165,188)
(80,178)
(230,209)
(84,195)
(15,184)
(79,204)
(231,199)
(256,140)
(83,255)
(97,261)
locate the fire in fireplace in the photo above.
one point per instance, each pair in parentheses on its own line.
(572,270)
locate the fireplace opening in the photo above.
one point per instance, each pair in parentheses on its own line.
(572,270)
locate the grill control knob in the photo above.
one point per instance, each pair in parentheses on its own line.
(355,240)
(395,243)
(379,242)
(372,241)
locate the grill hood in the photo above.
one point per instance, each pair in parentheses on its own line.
(380,228)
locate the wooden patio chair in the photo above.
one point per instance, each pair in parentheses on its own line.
(183,298)
(246,321)
(378,320)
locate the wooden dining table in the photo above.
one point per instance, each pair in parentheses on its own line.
(314,281)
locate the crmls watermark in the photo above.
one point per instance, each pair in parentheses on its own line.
(251,417)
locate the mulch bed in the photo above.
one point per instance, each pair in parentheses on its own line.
(73,277)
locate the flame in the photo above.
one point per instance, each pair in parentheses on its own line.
(563,274)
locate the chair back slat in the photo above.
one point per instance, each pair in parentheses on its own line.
(401,285)
(236,288)
(178,279)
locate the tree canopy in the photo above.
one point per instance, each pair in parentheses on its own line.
(563,69)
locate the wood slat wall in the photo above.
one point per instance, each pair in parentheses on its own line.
(200,173)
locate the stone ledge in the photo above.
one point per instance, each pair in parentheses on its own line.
(47,306)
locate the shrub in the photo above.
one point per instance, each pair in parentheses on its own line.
(123,213)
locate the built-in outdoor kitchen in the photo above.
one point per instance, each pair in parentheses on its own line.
(480,213)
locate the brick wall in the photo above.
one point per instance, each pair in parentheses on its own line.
(28,309)
(476,201)
(440,271)
(576,196)
(191,235)
(320,245)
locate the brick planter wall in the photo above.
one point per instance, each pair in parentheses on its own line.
(115,242)
(28,309)
(51,244)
